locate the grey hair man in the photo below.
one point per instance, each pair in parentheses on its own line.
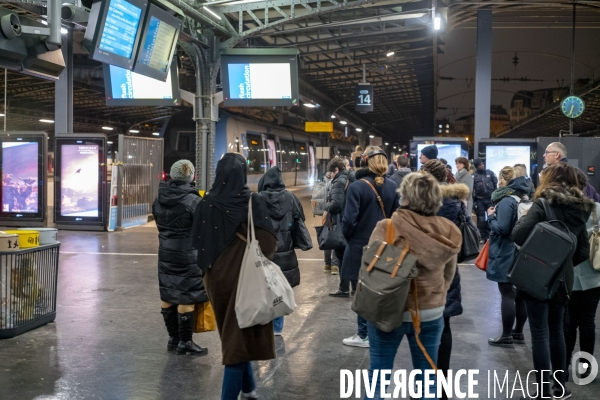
(555,153)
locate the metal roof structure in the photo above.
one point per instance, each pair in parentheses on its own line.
(335,38)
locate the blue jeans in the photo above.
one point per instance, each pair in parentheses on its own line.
(362,327)
(384,346)
(278,324)
(237,377)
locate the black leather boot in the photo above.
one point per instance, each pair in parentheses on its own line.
(502,341)
(170,317)
(186,344)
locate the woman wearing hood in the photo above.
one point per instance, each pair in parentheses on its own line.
(361,214)
(286,215)
(560,187)
(453,207)
(502,219)
(220,228)
(179,278)
(435,241)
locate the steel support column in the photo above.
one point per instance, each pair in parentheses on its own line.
(483,78)
(63,101)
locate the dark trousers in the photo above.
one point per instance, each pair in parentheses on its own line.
(582,314)
(482,206)
(443,358)
(547,340)
(345,287)
(512,308)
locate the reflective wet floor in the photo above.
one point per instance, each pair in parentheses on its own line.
(109,340)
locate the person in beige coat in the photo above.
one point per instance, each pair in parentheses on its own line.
(435,241)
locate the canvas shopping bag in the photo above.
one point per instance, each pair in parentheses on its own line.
(263,293)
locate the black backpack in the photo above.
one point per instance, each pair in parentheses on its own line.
(539,266)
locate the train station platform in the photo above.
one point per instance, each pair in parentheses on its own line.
(109,340)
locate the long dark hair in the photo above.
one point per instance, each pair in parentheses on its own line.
(557,175)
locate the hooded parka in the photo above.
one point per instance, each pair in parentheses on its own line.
(179,277)
(285,210)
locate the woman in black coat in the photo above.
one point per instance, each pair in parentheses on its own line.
(179,277)
(286,215)
(559,187)
(501,220)
(453,206)
(361,214)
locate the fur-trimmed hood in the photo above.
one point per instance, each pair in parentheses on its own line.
(459,191)
(563,196)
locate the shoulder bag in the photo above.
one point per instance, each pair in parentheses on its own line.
(595,243)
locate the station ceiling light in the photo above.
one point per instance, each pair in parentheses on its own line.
(1,115)
(358,129)
(155,133)
(48,121)
(387,144)
(309,105)
(134,131)
(391,53)
(343,122)
(437,22)
(371,136)
(332,116)
(109,142)
(108,128)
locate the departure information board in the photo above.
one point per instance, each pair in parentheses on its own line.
(156,50)
(120,30)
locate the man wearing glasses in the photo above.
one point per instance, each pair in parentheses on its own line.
(555,152)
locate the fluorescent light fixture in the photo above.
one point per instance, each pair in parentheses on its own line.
(343,122)
(391,53)
(371,136)
(63,31)
(437,23)
(309,105)
(134,131)
(212,12)
(107,128)
(109,142)
(395,147)
(1,115)
(332,116)
(155,133)
(387,144)
(48,121)
(358,129)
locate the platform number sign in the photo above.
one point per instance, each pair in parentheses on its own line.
(363,97)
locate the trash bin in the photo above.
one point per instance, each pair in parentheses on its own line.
(28,283)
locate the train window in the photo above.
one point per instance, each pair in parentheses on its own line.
(186,141)
(256,155)
(292,157)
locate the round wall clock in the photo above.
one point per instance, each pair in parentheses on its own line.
(572,107)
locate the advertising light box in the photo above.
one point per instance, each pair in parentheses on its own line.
(113,32)
(23,193)
(499,153)
(448,148)
(80,173)
(126,88)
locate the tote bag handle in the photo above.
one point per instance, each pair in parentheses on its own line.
(251,235)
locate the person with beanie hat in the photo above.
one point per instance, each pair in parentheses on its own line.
(484,184)
(179,277)
(429,153)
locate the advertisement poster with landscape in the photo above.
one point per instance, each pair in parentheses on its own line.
(20,177)
(79,180)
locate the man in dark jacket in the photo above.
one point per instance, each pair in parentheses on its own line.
(286,213)
(484,183)
(402,171)
(334,209)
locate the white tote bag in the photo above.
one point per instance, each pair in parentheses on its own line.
(263,292)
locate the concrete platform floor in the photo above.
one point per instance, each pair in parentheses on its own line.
(109,341)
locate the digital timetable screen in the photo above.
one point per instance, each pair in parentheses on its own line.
(156,50)
(120,30)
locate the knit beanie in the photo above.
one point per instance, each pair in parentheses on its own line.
(477,162)
(430,152)
(437,169)
(183,170)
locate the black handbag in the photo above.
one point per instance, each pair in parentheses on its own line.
(470,243)
(300,236)
(330,236)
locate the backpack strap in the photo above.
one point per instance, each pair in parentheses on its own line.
(346,185)
(595,217)
(376,195)
(550,216)
(416,320)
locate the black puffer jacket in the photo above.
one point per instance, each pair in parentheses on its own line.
(285,210)
(179,276)
(336,201)
(453,205)
(572,207)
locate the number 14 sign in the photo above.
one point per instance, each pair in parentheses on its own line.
(363,97)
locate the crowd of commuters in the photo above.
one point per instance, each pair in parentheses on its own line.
(202,243)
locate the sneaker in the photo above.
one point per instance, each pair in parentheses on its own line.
(248,396)
(502,341)
(277,333)
(518,338)
(327,268)
(356,341)
(339,293)
(335,270)
(559,394)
